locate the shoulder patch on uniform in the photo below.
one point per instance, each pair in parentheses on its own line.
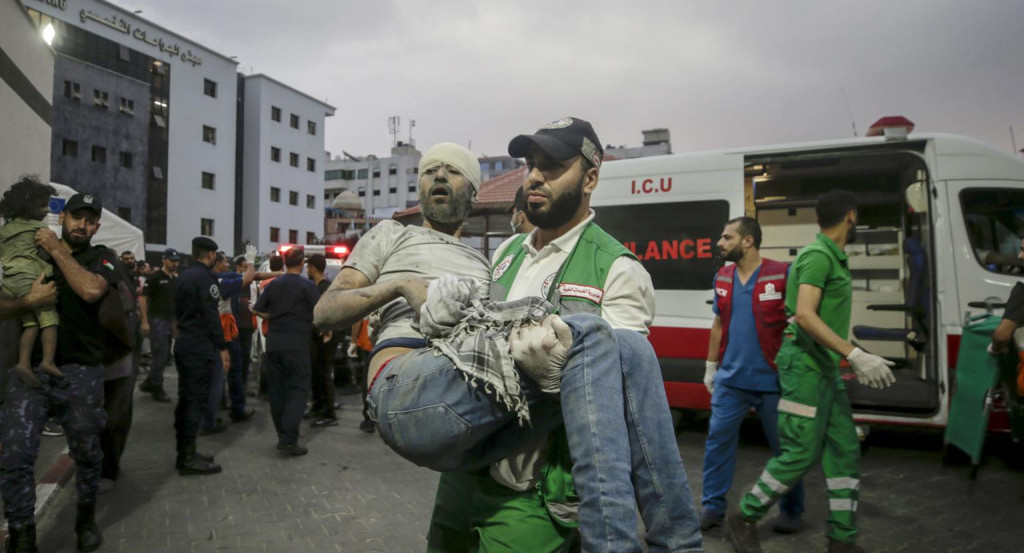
(108,265)
(502,267)
(569,290)
(770,293)
(215,291)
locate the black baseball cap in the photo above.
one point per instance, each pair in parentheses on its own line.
(561,139)
(172,254)
(84,201)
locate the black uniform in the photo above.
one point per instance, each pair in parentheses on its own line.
(77,399)
(200,339)
(323,366)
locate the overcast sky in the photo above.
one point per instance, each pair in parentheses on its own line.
(715,73)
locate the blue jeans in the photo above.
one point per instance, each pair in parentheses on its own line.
(616,417)
(729,406)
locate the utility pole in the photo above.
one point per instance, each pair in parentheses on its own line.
(393,123)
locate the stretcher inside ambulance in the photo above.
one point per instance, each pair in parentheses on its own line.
(940,225)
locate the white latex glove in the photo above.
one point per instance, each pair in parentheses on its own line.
(710,368)
(993,352)
(352,350)
(540,351)
(871,369)
(250,254)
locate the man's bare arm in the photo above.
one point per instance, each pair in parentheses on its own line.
(1003,334)
(807,318)
(352,297)
(88,285)
(716,339)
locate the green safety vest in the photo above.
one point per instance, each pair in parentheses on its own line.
(577,288)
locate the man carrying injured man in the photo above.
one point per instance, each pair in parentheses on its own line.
(461,404)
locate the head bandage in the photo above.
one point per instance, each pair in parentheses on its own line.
(456,156)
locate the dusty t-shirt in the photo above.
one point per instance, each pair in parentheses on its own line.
(391,251)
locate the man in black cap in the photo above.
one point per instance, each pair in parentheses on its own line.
(83,274)
(156,306)
(200,341)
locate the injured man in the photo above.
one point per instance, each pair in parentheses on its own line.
(460,382)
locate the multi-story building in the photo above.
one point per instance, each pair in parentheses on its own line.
(384,185)
(493,166)
(657,142)
(26,86)
(282,193)
(145,118)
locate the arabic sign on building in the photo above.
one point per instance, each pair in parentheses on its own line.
(120,25)
(59,4)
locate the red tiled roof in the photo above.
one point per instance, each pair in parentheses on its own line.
(498,192)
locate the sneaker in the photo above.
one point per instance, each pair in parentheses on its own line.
(367,426)
(787,524)
(742,534)
(52,428)
(709,520)
(324,422)
(291,450)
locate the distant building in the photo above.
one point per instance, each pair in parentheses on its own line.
(657,142)
(145,118)
(384,185)
(26,90)
(493,166)
(282,191)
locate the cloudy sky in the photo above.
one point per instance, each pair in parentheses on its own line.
(716,73)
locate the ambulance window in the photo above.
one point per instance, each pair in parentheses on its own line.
(994,220)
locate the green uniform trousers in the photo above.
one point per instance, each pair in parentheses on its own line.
(815,422)
(475,514)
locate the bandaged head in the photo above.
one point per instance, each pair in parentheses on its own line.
(456,156)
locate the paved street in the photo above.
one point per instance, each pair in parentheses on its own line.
(352,495)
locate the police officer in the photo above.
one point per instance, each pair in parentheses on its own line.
(156,306)
(200,338)
(83,273)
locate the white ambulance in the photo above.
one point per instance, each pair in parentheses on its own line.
(940,224)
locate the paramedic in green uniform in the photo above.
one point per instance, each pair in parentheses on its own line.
(815,420)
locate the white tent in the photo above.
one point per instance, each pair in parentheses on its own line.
(115,233)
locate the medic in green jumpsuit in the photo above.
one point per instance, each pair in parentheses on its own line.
(815,420)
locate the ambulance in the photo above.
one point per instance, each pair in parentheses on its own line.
(940,221)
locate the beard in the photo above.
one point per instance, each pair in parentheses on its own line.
(561,210)
(455,210)
(734,255)
(75,240)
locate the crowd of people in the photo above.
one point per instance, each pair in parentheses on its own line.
(526,380)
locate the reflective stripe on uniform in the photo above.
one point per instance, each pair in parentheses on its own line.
(842,505)
(794,408)
(845,483)
(760,495)
(772,482)
(723,278)
(771,277)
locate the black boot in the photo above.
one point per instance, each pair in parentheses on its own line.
(742,533)
(21,538)
(89,536)
(190,462)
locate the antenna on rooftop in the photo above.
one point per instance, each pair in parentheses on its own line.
(412,123)
(849,111)
(393,123)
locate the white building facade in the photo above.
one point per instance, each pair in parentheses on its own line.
(283,175)
(146,119)
(384,185)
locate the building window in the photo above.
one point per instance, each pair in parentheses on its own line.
(275,115)
(72,90)
(362,192)
(275,154)
(206,227)
(209,180)
(209,88)
(333,174)
(392,190)
(99,98)
(412,188)
(275,194)
(310,238)
(311,127)
(293,198)
(99,154)
(376,192)
(126,160)
(294,121)
(69,148)
(293,159)
(209,134)
(362,174)
(124,53)
(392,170)
(127,106)
(310,164)
(310,201)
(348,175)
(293,236)
(275,234)
(376,172)
(124,213)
